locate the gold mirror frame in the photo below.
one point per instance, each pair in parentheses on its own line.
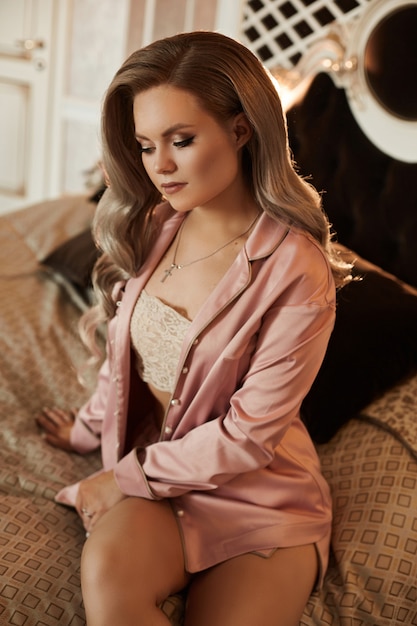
(342,54)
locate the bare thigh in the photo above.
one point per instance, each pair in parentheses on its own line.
(253,591)
(131,562)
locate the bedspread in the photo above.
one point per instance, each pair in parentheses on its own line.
(39,352)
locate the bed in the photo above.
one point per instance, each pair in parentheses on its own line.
(361,410)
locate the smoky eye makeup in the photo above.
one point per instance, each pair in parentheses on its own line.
(183,143)
(177,143)
(144,149)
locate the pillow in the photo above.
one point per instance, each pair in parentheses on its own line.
(372,347)
(75,259)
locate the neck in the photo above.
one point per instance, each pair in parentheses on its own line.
(215,220)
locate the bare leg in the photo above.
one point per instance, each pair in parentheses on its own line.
(252,591)
(131,562)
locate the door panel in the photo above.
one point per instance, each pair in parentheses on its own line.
(25,58)
(13,123)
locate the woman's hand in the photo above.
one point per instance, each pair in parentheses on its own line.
(96,496)
(57,425)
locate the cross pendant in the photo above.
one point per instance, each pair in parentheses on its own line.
(168,272)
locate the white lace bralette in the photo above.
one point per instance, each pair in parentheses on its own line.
(157,332)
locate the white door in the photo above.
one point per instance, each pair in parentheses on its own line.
(26,28)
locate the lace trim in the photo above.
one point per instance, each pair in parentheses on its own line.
(157,332)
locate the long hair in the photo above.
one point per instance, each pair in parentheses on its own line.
(226,78)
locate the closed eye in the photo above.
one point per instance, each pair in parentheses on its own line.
(184,142)
(145,150)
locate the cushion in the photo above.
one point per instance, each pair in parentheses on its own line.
(372,347)
(75,259)
(372,572)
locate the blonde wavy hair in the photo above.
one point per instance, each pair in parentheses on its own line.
(226,78)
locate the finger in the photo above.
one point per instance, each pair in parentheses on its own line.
(88,519)
(66,416)
(44,422)
(59,416)
(51,415)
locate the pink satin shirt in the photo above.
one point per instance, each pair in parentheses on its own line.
(233,456)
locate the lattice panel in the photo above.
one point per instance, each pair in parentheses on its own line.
(280,31)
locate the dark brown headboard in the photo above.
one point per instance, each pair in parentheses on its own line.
(370,197)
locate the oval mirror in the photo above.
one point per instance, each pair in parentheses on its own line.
(390,62)
(382,91)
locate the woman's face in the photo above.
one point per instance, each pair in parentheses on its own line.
(189,157)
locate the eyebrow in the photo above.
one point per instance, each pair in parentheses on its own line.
(168,131)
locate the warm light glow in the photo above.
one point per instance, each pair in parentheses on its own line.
(290,89)
(284,91)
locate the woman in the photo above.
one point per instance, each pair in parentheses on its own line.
(217,281)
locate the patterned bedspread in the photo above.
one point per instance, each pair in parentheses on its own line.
(396,411)
(371,469)
(40,543)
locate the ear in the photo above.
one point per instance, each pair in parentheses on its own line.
(242,130)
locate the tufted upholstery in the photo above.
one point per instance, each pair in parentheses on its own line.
(370,198)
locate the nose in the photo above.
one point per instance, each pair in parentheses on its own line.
(163,163)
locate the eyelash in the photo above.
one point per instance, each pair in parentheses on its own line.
(184,143)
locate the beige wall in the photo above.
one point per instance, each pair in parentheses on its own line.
(101,34)
(169,17)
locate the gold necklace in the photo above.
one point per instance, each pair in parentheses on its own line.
(179,266)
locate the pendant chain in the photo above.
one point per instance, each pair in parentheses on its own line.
(180,266)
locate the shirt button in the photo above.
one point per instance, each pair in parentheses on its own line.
(168,430)
(175,402)
(180,513)
(185,370)
(195,342)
